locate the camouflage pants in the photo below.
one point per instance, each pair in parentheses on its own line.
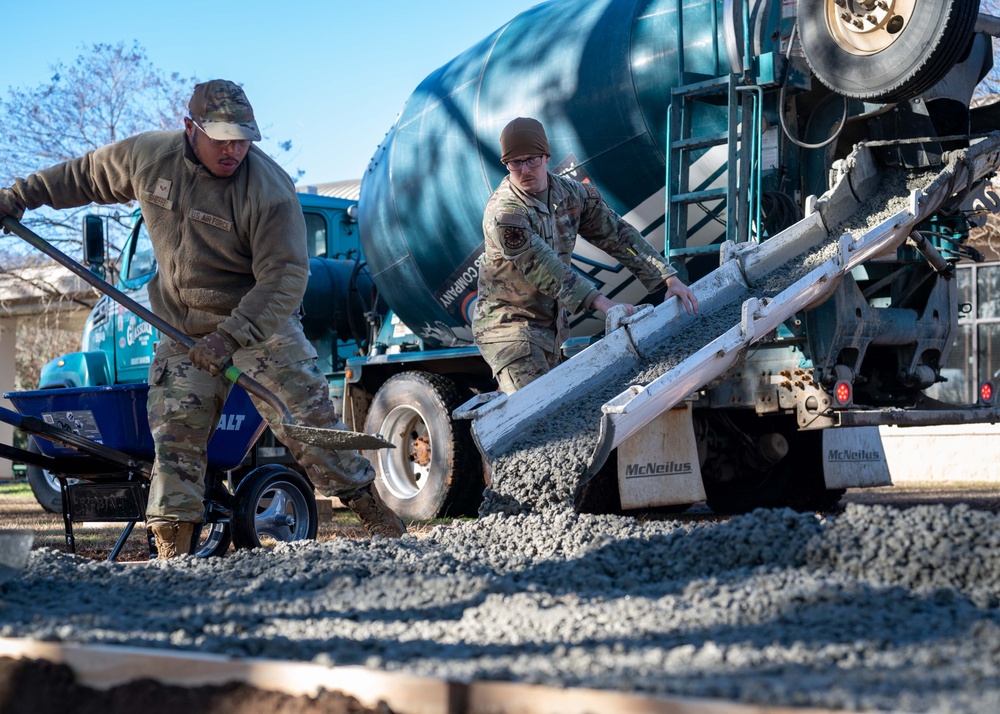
(516,364)
(185,404)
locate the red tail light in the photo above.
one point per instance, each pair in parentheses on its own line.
(843,393)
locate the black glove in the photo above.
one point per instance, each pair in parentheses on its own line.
(10,205)
(213,352)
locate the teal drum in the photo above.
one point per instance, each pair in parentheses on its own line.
(598,74)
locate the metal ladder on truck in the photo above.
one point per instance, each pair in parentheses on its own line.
(737,202)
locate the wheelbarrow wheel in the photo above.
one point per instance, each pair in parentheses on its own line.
(44,484)
(214,541)
(273,504)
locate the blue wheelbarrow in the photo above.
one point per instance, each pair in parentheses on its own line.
(96,442)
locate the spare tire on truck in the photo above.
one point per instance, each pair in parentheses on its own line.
(885,50)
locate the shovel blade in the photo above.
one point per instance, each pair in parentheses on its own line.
(335,439)
(15,547)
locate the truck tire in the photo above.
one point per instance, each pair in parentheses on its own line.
(749,491)
(908,48)
(435,469)
(43,484)
(796,481)
(807,489)
(273,503)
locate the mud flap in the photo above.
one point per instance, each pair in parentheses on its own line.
(853,457)
(658,465)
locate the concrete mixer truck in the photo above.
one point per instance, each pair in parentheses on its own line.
(704,124)
(712,127)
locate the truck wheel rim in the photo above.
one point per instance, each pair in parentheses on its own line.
(406,469)
(865,27)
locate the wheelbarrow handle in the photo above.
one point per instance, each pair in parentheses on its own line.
(232,373)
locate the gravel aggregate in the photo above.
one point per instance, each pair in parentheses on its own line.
(876,608)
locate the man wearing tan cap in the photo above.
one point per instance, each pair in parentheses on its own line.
(230,245)
(527,288)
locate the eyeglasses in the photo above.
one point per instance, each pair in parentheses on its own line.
(222,143)
(532,162)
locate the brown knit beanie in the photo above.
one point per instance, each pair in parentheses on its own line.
(523,136)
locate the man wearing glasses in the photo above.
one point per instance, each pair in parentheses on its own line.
(230,244)
(527,288)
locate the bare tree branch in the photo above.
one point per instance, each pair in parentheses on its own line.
(989,87)
(108,93)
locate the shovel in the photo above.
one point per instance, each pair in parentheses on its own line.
(333,439)
(15,546)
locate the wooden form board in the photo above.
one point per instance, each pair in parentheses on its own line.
(510,698)
(102,667)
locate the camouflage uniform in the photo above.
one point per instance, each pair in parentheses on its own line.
(527,289)
(185,403)
(232,268)
(231,257)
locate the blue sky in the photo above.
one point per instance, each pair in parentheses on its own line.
(330,76)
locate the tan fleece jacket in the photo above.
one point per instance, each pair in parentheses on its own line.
(231,252)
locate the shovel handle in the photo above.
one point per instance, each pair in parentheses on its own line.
(83,273)
(233,374)
(252,386)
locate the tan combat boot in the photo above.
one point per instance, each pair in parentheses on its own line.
(174,539)
(376,517)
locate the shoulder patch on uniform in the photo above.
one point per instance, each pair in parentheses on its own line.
(512,228)
(592,191)
(514,239)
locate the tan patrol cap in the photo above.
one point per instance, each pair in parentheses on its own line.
(222,109)
(523,136)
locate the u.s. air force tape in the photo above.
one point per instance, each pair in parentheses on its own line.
(211,220)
